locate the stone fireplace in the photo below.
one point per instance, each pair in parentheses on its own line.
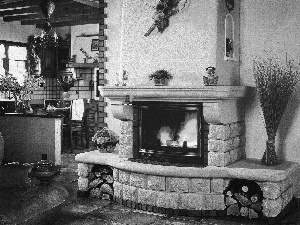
(194,126)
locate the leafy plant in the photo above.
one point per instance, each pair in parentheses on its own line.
(275,83)
(160,74)
(35,46)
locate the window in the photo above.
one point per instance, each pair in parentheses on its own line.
(13,59)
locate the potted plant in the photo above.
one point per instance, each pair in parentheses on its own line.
(105,140)
(160,77)
(275,83)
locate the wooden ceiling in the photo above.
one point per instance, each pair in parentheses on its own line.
(66,12)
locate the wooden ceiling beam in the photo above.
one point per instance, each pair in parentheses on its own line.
(92,3)
(69,18)
(20,4)
(30,16)
(19,11)
(72,23)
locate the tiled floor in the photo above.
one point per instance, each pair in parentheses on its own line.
(93,211)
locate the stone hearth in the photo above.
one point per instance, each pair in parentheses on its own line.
(171,189)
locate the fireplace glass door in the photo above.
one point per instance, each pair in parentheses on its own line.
(171,132)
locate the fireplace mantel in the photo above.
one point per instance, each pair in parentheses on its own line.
(176,94)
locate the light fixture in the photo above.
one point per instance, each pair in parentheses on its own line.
(47,8)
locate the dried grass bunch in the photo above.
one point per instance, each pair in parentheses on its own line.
(275,83)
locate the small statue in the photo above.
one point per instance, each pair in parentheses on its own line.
(210,79)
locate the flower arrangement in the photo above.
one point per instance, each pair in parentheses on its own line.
(275,83)
(20,91)
(160,77)
(105,139)
(160,74)
(15,89)
(210,79)
(87,56)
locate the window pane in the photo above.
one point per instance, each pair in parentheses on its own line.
(17,53)
(17,56)
(2,55)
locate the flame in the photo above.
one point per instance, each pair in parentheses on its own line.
(188,130)
(164,134)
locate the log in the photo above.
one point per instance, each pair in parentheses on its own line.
(242,199)
(244,211)
(252,214)
(256,206)
(233,210)
(95,182)
(230,201)
(105,188)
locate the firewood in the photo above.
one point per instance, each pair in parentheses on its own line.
(95,182)
(242,199)
(233,210)
(244,211)
(257,206)
(254,198)
(230,201)
(252,214)
(105,188)
(109,178)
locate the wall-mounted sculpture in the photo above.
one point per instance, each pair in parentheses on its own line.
(163,11)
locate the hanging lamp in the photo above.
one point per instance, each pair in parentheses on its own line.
(47,8)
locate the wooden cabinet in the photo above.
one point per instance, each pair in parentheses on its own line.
(54,59)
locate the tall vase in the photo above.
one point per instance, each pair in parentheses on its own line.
(269,158)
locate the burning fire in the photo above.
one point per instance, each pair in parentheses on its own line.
(188,133)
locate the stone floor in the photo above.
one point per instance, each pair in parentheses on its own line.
(92,211)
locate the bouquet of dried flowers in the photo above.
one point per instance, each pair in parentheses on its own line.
(275,83)
(105,139)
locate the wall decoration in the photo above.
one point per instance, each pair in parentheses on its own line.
(229,5)
(229,38)
(95,45)
(163,11)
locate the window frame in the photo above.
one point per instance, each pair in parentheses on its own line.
(6,59)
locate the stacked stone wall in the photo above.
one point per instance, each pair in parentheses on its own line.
(226,143)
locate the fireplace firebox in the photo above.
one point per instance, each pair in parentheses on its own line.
(170,133)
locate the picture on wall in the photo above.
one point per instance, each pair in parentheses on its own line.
(95,45)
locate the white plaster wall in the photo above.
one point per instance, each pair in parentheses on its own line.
(270,28)
(14,31)
(83,42)
(185,48)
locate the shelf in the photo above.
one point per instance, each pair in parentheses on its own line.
(82,65)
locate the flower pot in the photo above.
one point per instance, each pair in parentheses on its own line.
(106,147)
(161,81)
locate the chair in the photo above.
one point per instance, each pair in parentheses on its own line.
(79,123)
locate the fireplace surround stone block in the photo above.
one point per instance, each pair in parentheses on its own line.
(279,184)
